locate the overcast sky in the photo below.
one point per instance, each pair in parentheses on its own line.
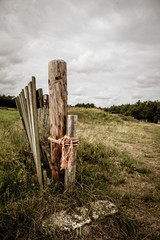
(112,47)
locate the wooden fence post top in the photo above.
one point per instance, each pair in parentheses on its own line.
(56,60)
(57,71)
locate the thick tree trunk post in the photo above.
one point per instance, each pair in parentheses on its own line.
(70,176)
(57,80)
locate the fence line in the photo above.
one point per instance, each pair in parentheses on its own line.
(43,116)
(28,110)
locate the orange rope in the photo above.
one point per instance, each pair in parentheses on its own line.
(67,157)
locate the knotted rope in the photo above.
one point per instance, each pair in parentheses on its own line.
(67,157)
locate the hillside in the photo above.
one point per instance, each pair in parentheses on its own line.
(148,110)
(117,160)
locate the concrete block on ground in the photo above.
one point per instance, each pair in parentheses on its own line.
(67,221)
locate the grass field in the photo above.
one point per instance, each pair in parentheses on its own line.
(118,159)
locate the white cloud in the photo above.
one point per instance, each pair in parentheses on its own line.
(107,60)
(91,62)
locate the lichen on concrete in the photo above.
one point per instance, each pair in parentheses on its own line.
(102,208)
(82,215)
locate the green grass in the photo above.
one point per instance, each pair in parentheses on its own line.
(110,165)
(15,170)
(8,118)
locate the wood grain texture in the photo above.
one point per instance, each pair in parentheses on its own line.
(24,113)
(70,176)
(34,124)
(57,80)
(21,116)
(32,120)
(29,116)
(35,120)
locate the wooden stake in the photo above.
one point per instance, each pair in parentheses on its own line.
(21,116)
(29,117)
(39,96)
(57,80)
(34,120)
(70,176)
(25,113)
(45,100)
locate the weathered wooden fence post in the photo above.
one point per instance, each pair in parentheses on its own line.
(57,80)
(45,100)
(70,176)
(34,124)
(39,95)
(17,100)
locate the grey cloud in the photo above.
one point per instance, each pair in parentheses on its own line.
(91,63)
(102,98)
(82,99)
(9,77)
(105,43)
(9,90)
(137,96)
(148,81)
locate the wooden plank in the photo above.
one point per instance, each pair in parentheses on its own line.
(70,176)
(29,117)
(24,113)
(57,80)
(34,119)
(26,116)
(21,117)
(45,124)
(39,170)
(45,100)
(39,98)
(22,108)
(45,118)
(45,151)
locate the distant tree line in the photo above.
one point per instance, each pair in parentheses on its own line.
(7,101)
(85,105)
(149,110)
